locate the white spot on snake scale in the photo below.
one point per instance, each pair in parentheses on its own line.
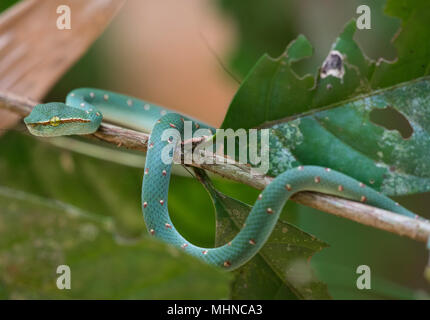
(152,231)
(163,112)
(205,252)
(269,210)
(92,95)
(317,179)
(288,187)
(145,204)
(340,188)
(106,97)
(168,226)
(146,107)
(130,102)
(161,201)
(184,245)
(252,242)
(227,264)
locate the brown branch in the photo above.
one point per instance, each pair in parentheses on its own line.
(381,219)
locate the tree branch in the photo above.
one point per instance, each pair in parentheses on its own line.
(381,219)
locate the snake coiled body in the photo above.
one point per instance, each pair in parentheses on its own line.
(82,114)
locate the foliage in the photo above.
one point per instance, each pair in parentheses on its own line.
(94,225)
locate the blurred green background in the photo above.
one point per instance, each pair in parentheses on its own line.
(61,207)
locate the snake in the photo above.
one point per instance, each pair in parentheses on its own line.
(83,112)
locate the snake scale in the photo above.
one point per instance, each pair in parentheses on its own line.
(82,114)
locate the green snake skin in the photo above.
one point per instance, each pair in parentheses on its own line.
(82,114)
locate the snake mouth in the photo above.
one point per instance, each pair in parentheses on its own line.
(58,122)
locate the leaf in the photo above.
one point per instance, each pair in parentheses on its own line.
(109,194)
(269,87)
(343,135)
(39,234)
(281,269)
(346,139)
(273,91)
(100,187)
(412,43)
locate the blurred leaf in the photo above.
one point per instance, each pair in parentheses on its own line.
(39,234)
(281,269)
(6,4)
(36,65)
(273,91)
(100,187)
(110,193)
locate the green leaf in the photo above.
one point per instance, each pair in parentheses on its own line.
(39,234)
(273,91)
(346,139)
(281,269)
(101,187)
(343,135)
(412,43)
(269,87)
(95,225)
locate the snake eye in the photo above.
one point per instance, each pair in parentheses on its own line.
(55,121)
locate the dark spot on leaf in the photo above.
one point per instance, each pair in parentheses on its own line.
(333,65)
(391,119)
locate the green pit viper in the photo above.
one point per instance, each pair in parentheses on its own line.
(82,114)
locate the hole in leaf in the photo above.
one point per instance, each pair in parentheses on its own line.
(391,119)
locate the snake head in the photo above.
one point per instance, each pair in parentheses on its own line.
(59,119)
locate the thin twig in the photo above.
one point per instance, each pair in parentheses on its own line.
(381,219)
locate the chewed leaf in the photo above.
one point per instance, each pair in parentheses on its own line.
(346,139)
(40,234)
(273,91)
(270,87)
(412,43)
(326,119)
(281,269)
